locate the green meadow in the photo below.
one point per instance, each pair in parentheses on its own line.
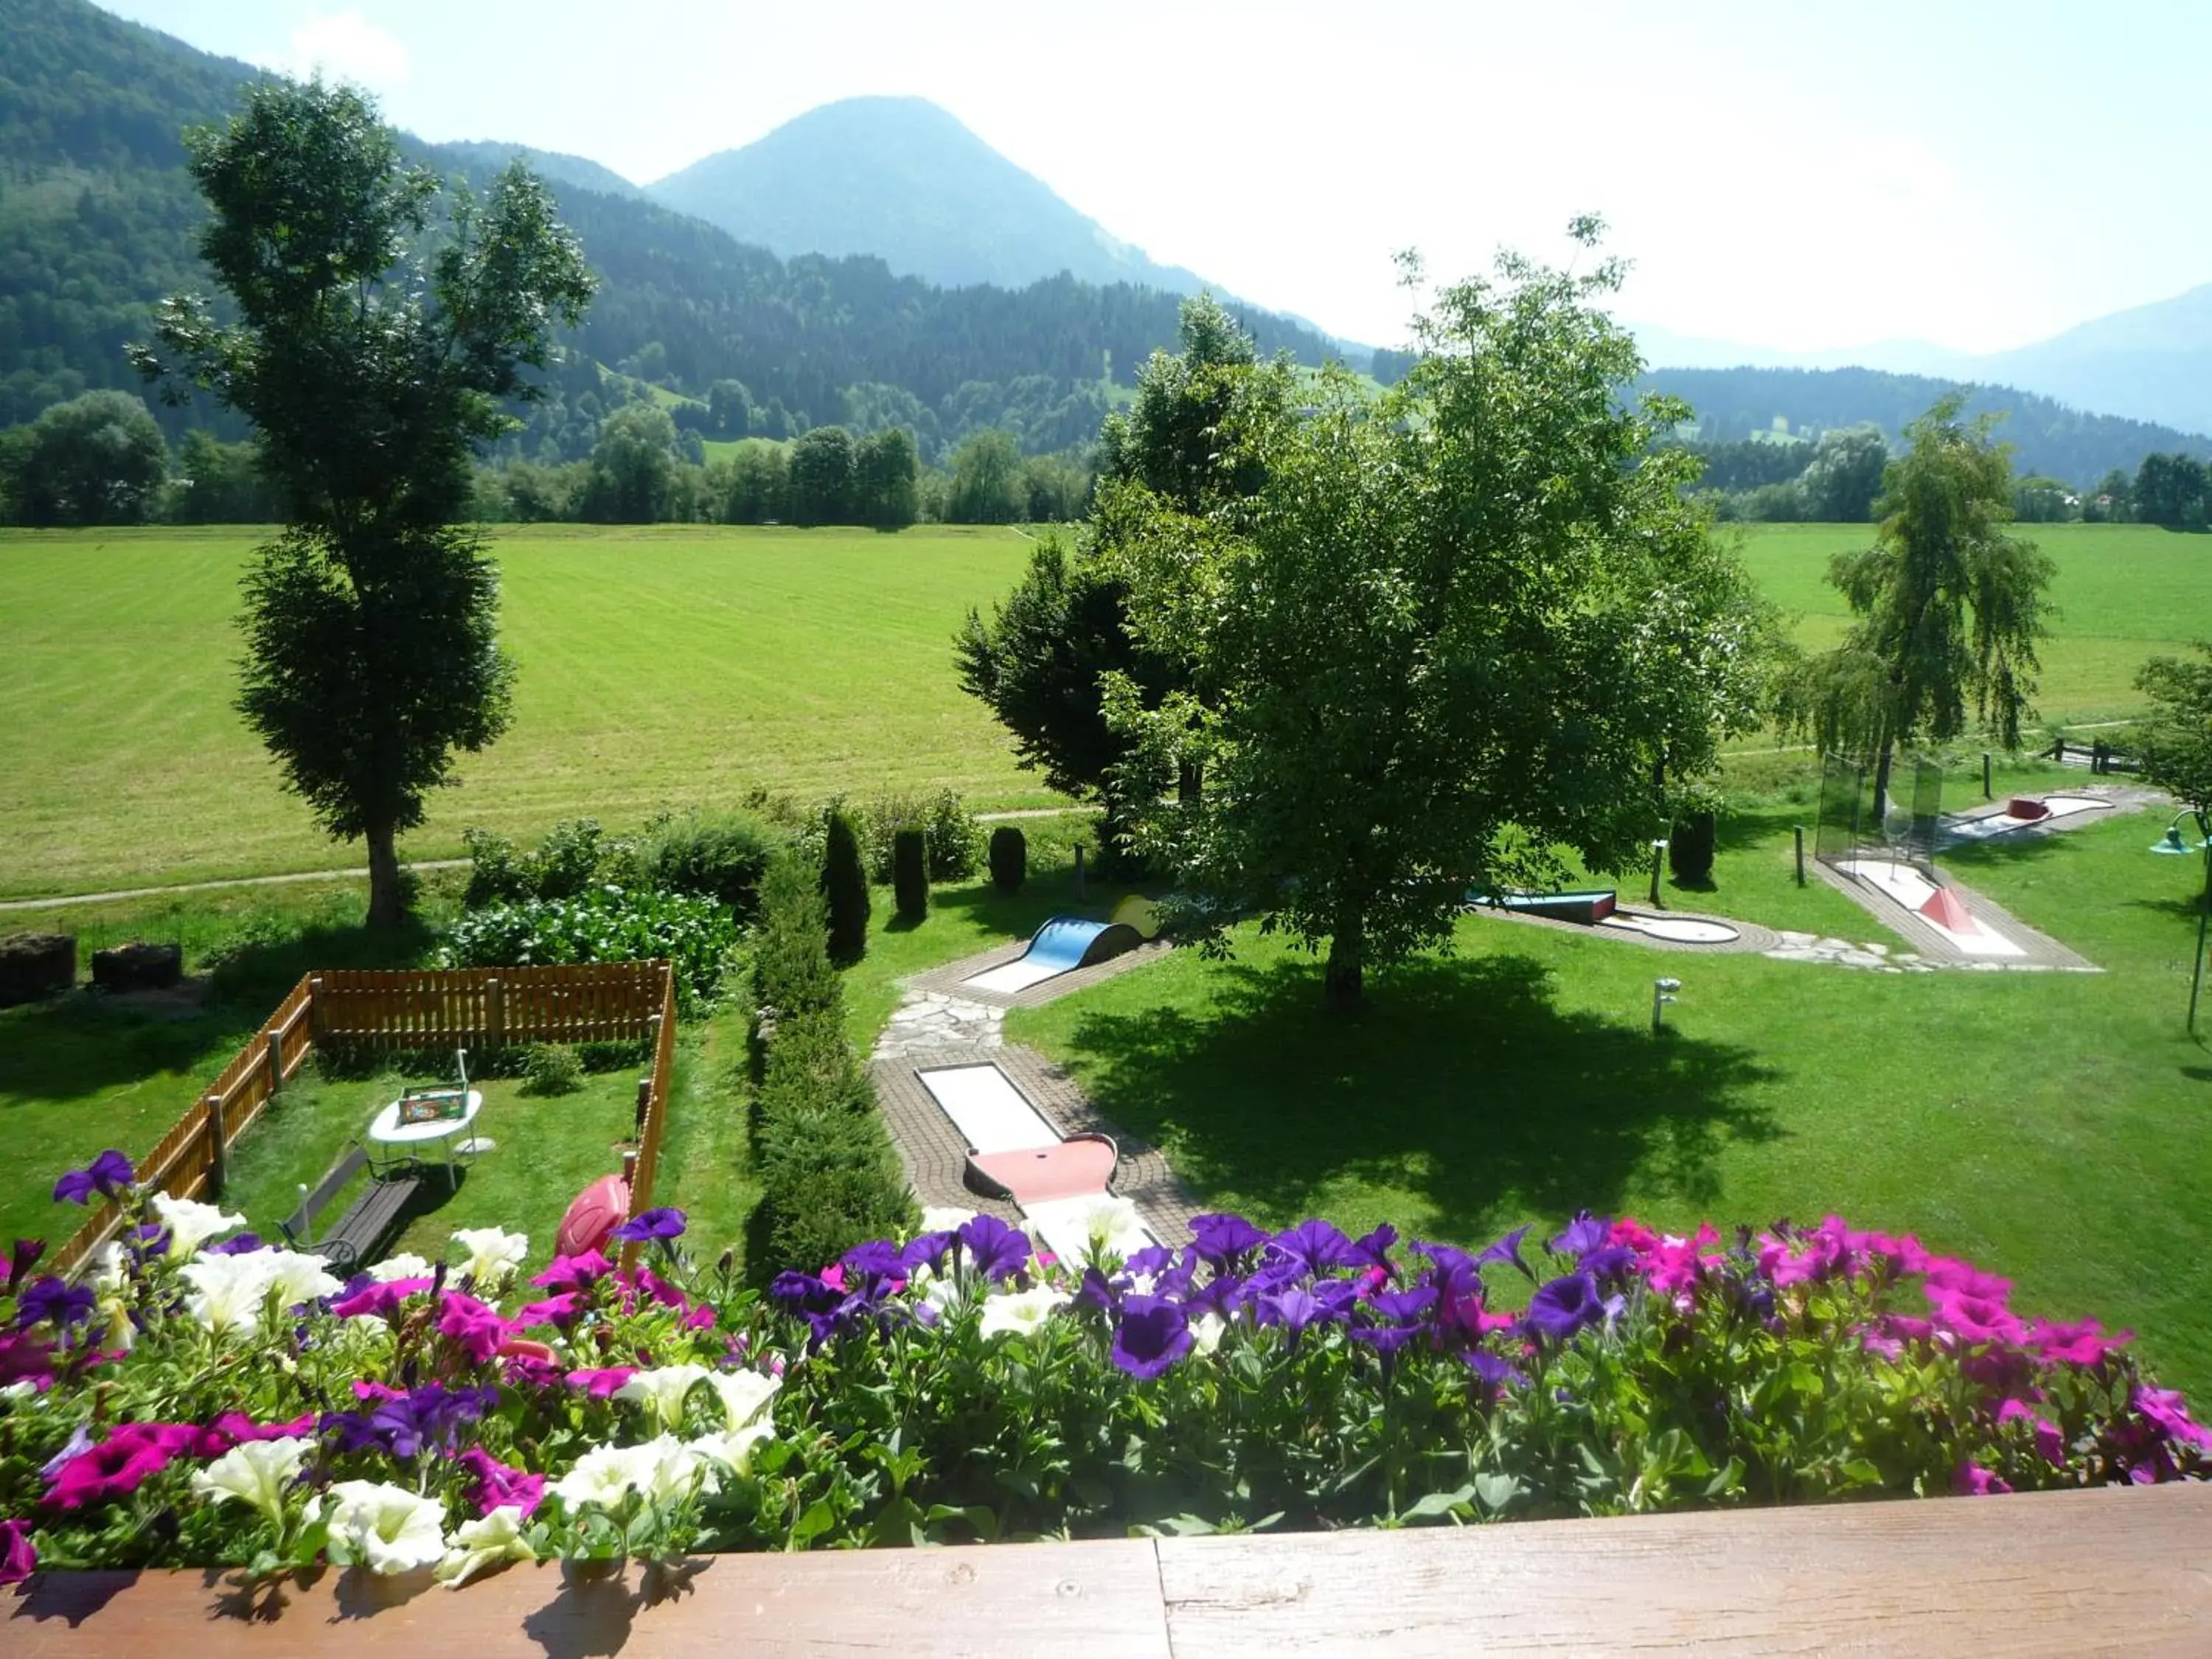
(661,667)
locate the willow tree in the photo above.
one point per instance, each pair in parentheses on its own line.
(1452,630)
(1947,606)
(380,332)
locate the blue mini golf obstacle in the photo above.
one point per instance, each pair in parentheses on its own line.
(1061,946)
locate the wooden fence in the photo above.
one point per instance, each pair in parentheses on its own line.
(2102,758)
(403,1009)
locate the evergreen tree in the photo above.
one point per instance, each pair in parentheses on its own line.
(845,887)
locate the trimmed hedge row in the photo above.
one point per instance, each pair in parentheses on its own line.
(829,1179)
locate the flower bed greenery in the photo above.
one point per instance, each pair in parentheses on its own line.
(197,1402)
(601,924)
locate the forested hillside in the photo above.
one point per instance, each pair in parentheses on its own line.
(97,217)
(2048,438)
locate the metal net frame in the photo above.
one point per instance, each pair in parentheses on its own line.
(1849,829)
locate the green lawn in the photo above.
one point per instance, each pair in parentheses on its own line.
(2123,592)
(2047,1124)
(669,666)
(658,667)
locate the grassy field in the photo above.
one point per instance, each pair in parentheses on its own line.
(2044,1124)
(664,667)
(657,667)
(2123,592)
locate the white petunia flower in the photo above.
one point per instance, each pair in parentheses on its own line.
(660,1469)
(405,1265)
(493,1253)
(486,1543)
(1207,1330)
(940,1219)
(191,1225)
(108,1274)
(296,1277)
(256,1472)
(387,1529)
(732,1447)
(227,1292)
(744,1394)
(1020,1312)
(663,1391)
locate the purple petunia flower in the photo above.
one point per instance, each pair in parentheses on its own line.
(1222,1294)
(1096,1291)
(924,1250)
(1153,1334)
(53,1301)
(1507,1251)
(663,1222)
(1316,1247)
(1224,1240)
(1293,1308)
(877,1258)
(1585,1232)
(998,1250)
(21,1259)
(26,1360)
(1492,1368)
(1374,1249)
(110,1175)
(244,1244)
(1564,1306)
(427,1418)
(1608,1262)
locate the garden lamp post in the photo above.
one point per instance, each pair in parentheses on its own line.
(2175,843)
(1662,993)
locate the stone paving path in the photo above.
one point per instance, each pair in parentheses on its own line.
(928,1020)
(1842,953)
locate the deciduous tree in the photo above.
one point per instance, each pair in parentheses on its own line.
(95,459)
(371,369)
(1949,606)
(1451,630)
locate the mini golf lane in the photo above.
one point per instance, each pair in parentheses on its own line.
(2004,823)
(1060,1186)
(1061,946)
(1938,907)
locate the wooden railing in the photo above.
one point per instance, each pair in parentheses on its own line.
(431,1008)
(653,1112)
(2112,1570)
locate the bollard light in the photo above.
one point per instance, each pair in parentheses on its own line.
(1662,993)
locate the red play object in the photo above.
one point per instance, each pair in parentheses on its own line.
(598,1211)
(1082,1163)
(2027,807)
(1944,909)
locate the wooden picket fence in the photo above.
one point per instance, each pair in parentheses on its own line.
(408,1009)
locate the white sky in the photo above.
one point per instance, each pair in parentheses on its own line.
(1980,173)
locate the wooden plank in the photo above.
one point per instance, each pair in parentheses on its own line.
(2059,1573)
(1081,1601)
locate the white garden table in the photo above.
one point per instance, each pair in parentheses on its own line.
(388,1131)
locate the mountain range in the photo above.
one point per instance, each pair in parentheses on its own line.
(871,263)
(2151,362)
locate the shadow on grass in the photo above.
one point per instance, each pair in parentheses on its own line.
(1463,1082)
(82,1044)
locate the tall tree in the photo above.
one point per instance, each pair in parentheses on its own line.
(95,459)
(885,469)
(1453,629)
(1948,606)
(987,481)
(819,487)
(2169,490)
(1841,481)
(633,476)
(2177,739)
(371,371)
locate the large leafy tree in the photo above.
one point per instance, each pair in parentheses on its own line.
(2176,739)
(1948,606)
(1040,659)
(377,342)
(1450,631)
(96,459)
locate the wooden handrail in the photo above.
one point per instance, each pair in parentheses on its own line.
(2113,1569)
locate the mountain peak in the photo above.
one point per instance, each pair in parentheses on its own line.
(904,179)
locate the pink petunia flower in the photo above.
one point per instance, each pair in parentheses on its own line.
(476,1330)
(19,1558)
(496,1485)
(381,1300)
(119,1465)
(1950,1274)
(2081,1343)
(1972,1480)
(601,1384)
(2170,1411)
(574,1273)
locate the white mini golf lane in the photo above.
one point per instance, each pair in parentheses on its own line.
(2000,823)
(1912,890)
(1014,976)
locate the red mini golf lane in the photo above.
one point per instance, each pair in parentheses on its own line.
(1037,1175)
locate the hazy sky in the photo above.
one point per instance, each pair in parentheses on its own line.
(1978,172)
